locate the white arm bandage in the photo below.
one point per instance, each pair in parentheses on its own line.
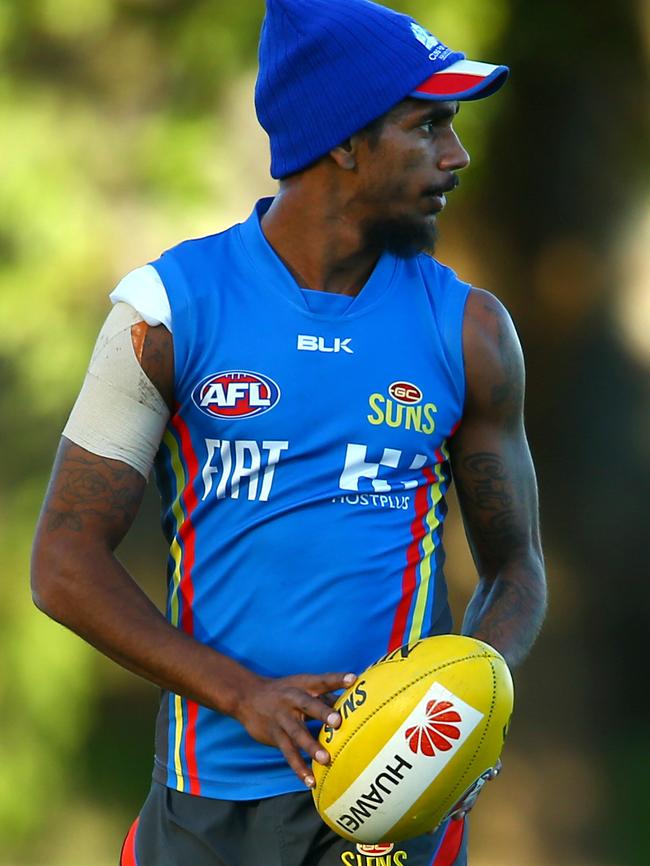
(119,412)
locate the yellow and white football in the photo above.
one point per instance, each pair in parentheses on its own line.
(419,728)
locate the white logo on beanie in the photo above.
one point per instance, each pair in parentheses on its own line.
(424,36)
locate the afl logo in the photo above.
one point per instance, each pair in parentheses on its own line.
(405,393)
(236,394)
(377,850)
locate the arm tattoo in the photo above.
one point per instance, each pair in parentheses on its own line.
(489,490)
(507,608)
(89,490)
(496,486)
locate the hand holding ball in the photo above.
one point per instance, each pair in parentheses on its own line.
(421,727)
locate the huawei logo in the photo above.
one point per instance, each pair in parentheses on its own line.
(437,730)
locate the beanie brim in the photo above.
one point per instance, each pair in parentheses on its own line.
(464,80)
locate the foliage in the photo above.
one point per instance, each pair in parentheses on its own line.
(126,125)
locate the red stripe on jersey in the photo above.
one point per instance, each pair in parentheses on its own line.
(190,747)
(444,83)
(127,857)
(409,582)
(451,842)
(188,537)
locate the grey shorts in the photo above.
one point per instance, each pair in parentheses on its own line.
(176,829)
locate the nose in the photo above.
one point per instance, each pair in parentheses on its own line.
(453,155)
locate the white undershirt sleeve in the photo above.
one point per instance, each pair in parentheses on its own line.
(143,290)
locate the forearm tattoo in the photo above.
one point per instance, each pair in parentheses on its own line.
(508,613)
(508,606)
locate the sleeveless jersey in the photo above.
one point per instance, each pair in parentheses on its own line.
(303,478)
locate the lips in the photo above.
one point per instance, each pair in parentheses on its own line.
(438,202)
(435,202)
(436,194)
(440,191)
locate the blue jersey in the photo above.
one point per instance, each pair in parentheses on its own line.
(303,478)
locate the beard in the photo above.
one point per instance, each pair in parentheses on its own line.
(404,237)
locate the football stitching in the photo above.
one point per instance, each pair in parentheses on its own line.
(481,655)
(455,793)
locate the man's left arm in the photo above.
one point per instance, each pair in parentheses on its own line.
(496,485)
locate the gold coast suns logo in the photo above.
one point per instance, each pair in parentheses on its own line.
(380,854)
(403,406)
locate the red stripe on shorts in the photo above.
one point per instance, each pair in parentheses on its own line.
(451,842)
(127,857)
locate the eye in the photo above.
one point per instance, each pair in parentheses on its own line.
(436,123)
(432,127)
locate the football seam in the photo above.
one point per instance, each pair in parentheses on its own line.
(454,794)
(482,655)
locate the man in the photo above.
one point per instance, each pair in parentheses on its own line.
(306,383)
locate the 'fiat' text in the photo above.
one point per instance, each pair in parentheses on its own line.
(242,465)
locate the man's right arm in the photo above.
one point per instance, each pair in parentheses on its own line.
(77,580)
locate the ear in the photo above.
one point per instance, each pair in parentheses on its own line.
(345,154)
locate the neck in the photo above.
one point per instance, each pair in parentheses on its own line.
(320,242)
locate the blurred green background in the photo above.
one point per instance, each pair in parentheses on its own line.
(127,125)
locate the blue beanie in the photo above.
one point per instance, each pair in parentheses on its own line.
(328,68)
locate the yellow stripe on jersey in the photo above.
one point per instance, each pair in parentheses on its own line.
(178,737)
(177,555)
(175,549)
(428,547)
